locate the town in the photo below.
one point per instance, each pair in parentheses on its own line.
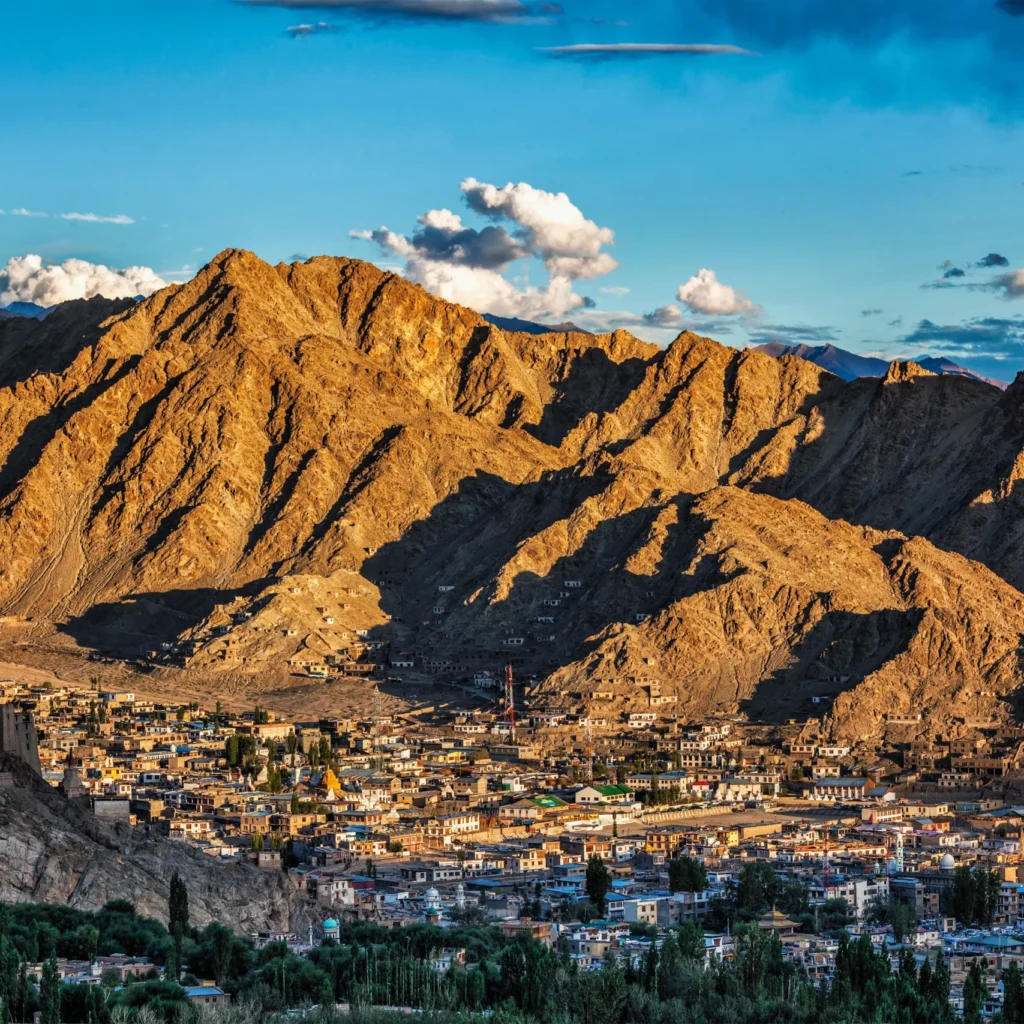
(442,815)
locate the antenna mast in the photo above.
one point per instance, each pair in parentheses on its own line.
(510,703)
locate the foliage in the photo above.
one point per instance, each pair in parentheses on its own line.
(975,896)
(687,874)
(598,882)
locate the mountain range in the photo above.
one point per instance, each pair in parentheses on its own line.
(266,459)
(850,366)
(29,309)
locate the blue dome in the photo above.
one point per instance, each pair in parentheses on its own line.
(330,923)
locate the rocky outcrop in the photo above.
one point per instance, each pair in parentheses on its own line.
(53,852)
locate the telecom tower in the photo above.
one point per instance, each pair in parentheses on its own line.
(510,703)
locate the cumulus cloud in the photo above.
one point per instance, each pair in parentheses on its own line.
(466,264)
(94,218)
(993,259)
(549,223)
(954,272)
(29,279)
(633,51)
(502,11)
(705,294)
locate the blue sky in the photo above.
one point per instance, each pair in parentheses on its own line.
(846,163)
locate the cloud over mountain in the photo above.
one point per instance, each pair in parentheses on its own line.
(29,279)
(704,293)
(465,264)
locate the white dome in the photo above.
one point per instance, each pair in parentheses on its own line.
(947,863)
(431,895)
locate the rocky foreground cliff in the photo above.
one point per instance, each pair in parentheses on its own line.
(54,852)
(325,447)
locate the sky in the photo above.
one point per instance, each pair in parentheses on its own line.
(799,171)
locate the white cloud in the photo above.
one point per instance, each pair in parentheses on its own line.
(704,293)
(617,290)
(27,279)
(96,219)
(22,212)
(556,229)
(466,265)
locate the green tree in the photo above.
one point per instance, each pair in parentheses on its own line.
(1013,995)
(671,972)
(49,992)
(974,992)
(597,884)
(177,913)
(691,941)
(756,890)
(687,874)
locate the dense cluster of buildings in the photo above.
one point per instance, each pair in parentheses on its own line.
(429,816)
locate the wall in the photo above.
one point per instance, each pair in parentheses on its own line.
(18,736)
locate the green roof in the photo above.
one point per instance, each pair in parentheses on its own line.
(612,790)
(548,801)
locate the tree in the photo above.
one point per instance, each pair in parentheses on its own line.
(687,874)
(597,884)
(691,941)
(1013,995)
(671,972)
(757,889)
(177,913)
(974,992)
(49,992)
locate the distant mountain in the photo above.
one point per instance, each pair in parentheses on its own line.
(514,324)
(850,366)
(30,309)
